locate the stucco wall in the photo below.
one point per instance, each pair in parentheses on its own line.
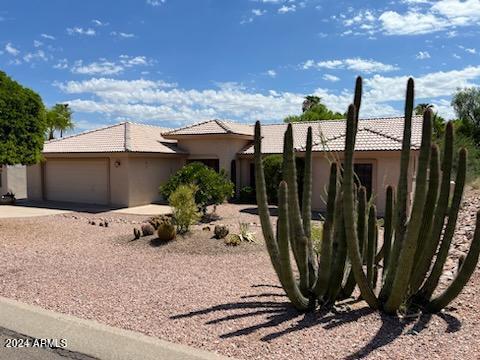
(133,179)
(221,148)
(386,170)
(146,174)
(14,179)
(119,179)
(34,182)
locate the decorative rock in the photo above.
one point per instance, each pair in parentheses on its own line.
(147,230)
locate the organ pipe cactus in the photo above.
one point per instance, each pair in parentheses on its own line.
(415,240)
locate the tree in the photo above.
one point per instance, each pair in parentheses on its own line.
(438,121)
(22,123)
(466,103)
(313,110)
(59,118)
(213,188)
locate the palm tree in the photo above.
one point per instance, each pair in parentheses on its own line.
(438,121)
(59,118)
(309,102)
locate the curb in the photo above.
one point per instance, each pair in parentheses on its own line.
(92,338)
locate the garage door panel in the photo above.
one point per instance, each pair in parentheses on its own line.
(83,181)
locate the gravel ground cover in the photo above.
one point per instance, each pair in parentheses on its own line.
(198,292)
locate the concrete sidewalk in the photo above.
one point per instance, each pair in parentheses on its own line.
(85,338)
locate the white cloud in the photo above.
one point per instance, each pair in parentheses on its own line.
(258,12)
(122,34)
(81,31)
(156,2)
(421,17)
(411,23)
(38,55)
(104,66)
(354,64)
(472,51)
(272,73)
(46,36)
(61,64)
(331,78)
(422,55)
(166,102)
(37,43)
(287,8)
(97,68)
(9,48)
(99,22)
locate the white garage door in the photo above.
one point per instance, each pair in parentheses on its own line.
(82,181)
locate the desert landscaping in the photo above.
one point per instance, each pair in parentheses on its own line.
(197,291)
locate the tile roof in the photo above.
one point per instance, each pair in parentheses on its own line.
(123,137)
(329,135)
(212,127)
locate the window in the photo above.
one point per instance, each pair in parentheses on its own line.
(364,173)
(211,163)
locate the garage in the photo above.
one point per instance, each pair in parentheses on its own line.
(77,180)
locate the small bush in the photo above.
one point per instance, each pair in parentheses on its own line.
(212,188)
(245,233)
(232,240)
(185,211)
(272,166)
(247,195)
(166,231)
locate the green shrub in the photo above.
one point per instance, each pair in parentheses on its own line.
(247,195)
(212,188)
(185,211)
(272,167)
(473,166)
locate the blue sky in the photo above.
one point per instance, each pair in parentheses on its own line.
(174,62)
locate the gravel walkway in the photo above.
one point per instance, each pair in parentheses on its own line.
(224,299)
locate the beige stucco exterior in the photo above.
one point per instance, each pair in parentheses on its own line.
(131,179)
(385,172)
(13,178)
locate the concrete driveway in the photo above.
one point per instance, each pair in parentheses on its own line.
(10,211)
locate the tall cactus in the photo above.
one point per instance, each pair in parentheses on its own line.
(411,271)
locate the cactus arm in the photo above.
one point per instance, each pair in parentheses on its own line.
(431,283)
(298,238)
(357,99)
(362,220)
(307,187)
(307,211)
(261,194)
(407,253)
(325,259)
(431,244)
(288,280)
(388,229)
(463,276)
(402,194)
(338,259)
(371,248)
(417,277)
(349,212)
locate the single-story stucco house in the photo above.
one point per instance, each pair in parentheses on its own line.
(13,179)
(124,164)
